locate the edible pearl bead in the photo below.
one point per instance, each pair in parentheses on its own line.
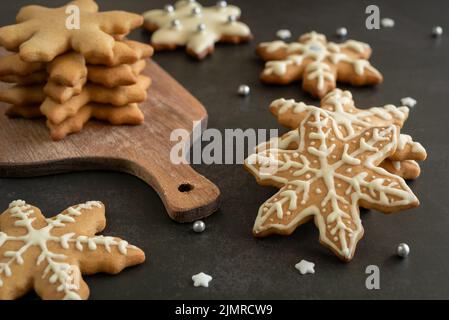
(199,226)
(232,18)
(176,23)
(342,32)
(196,11)
(403,250)
(201,27)
(244,90)
(222,4)
(437,31)
(169,8)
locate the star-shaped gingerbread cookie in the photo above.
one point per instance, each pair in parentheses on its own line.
(326,179)
(41,33)
(318,63)
(52,254)
(198,29)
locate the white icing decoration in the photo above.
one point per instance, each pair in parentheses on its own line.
(397,165)
(280,67)
(343,213)
(190,15)
(321,72)
(409,102)
(320,54)
(405,139)
(57,270)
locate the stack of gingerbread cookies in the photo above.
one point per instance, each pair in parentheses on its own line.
(70,68)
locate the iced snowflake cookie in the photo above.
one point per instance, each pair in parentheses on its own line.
(340,105)
(198,29)
(334,170)
(318,63)
(52,254)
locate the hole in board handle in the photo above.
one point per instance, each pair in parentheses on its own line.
(185,187)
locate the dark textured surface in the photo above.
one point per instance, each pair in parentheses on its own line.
(413,64)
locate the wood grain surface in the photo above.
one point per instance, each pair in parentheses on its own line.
(144,151)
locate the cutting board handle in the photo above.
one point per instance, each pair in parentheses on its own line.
(187,195)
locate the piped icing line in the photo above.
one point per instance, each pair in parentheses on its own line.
(56,270)
(396,165)
(196,27)
(405,139)
(336,214)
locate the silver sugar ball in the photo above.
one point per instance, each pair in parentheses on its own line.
(403,250)
(176,23)
(199,226)
(196,11)
(232,18)
(169,8)
(222,4)
(244,90)
(342,32)
(201,27)
(437,31)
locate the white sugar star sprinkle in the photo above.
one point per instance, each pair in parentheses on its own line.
(387,23)
(305,267)
(283,34)
(408,101)
(201,280)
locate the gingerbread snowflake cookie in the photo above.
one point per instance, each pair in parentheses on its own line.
(318,63)
(41,33)
(340,105)
(327,178)
(52,254)
(189,24)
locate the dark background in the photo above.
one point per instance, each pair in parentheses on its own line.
(413,64)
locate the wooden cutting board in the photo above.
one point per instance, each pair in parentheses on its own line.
(144,151)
